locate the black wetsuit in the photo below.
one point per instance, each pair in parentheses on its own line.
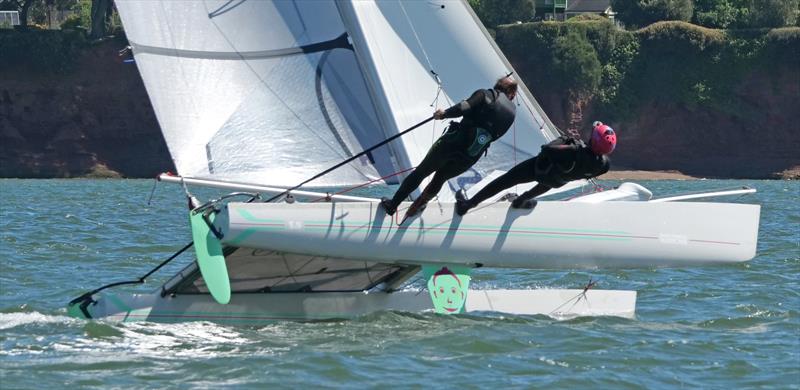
(487,115)
(560,162)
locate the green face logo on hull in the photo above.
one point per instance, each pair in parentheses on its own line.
(448,288)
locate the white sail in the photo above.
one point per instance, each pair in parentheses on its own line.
(273,92)
(401,42)
(256,91)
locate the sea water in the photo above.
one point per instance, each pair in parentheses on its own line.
(717,327)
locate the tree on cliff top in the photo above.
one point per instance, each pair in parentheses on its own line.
(101,18)
(496,12)
(774,13)
(640,13)
(721,13)
(576,65)
(709,13)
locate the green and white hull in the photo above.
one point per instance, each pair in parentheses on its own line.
(272,286)
(554,235)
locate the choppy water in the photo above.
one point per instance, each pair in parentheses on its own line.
(723,327)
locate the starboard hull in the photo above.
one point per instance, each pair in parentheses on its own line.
(253,309)
(554,235)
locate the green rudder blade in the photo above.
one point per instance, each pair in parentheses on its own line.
(448,286)
(75,311)
(208,250)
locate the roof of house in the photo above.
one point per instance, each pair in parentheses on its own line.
(588,5)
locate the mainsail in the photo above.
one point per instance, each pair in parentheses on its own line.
(264,92)
(254,91)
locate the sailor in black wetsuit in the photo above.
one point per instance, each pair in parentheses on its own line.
(487,115)
(561,161)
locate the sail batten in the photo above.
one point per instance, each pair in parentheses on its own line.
(336,43)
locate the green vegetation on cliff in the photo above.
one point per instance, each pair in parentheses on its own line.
(41,50)
(621,70)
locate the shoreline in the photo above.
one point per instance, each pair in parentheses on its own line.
(647,175)
(789,174)
(102,172)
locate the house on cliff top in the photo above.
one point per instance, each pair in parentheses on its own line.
(565,9)
(9,19)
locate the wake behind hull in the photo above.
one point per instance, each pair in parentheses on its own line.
(555,235)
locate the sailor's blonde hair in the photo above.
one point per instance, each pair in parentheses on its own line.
(506,85)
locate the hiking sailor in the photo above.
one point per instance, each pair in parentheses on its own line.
(560,161)
(487,115)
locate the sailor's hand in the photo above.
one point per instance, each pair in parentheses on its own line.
(438,114)
(510,196)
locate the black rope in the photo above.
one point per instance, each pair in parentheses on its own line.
(577,298)
(365,151)
(152,191)
(438,89)
(88,296)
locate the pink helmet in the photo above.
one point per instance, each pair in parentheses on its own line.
(603,140)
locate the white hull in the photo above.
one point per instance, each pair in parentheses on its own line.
(553,235)
(264,308)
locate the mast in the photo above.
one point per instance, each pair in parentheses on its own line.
(548,129)
(377,93)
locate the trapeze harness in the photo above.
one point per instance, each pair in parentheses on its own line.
(487,116)
(558,165)
(560,161)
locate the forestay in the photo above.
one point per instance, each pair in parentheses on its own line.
(256,91)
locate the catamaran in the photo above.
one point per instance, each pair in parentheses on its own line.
(258,97)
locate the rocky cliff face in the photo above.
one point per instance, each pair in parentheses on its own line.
(760,140)
(98,121)
(95,121)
